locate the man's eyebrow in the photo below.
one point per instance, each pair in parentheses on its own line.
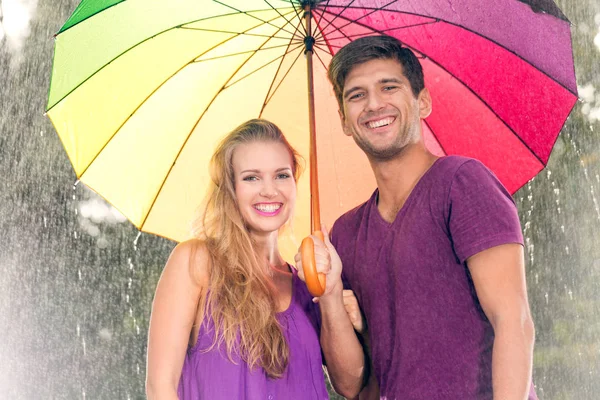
(391,80)
(351,90)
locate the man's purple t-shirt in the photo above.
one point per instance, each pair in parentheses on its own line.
(429,336)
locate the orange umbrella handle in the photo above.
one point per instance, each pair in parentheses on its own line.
(314,281)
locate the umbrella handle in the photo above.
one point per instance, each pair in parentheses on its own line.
(314,281)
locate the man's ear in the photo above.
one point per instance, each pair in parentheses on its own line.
(424,100)
(343,122)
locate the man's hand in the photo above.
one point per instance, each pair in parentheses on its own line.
(327,261)
(354,312)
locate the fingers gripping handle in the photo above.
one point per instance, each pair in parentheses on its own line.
(314,281)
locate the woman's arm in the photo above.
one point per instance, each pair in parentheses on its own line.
(173,313)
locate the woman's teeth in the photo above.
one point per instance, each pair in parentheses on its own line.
(268,208)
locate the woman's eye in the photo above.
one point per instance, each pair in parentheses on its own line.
(283,176)
(250,178)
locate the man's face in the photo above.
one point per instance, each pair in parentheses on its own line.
(380,111)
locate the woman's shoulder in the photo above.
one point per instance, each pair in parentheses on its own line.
(191,258)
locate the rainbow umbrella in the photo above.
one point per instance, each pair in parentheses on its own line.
(143,90)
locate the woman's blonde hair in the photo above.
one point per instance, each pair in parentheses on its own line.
(241,300)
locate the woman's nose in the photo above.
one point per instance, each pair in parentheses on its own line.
(268,190)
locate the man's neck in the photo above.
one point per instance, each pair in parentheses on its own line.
(397,177)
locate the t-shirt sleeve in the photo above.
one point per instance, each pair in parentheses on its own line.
(481,212)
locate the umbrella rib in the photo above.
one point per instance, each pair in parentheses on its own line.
(338,15)
(342,32)
(385,30)
(252,16)
(462,27)
(319,57)
(323,49)
(143,41)
(188,138)
(299,37)
(157,88)
(237,33)
(277,11)
(262,109)
(321,15)
(240,53)
(473,92)
(228,85)
(265,65)
(143,102)
(374,10)
(281,81)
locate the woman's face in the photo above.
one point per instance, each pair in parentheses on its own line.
(265,188)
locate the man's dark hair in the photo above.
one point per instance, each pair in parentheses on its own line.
(373,48)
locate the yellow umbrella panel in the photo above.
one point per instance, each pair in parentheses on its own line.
(141,106)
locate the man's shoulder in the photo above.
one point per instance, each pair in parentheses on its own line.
(453,163)
(351,219)
(453,167)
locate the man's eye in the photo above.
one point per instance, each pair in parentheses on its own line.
(390,87)
(356,96)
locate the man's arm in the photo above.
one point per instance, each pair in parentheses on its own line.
(343,352)
(371,389)
(499,277)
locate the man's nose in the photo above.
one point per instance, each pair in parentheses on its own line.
(374,102)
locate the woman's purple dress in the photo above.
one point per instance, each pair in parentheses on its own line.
(211,375)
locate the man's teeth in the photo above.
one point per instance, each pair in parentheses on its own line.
(267,207)
(381,122)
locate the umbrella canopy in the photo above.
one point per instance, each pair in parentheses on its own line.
(143,90)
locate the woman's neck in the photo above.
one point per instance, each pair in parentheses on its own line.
(267,250)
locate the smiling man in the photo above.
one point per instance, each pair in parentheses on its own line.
(435,256)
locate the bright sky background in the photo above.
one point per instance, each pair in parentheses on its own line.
(16,17)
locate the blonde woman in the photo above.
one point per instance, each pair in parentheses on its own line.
(230,318)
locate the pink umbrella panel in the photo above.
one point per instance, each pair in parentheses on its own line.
(501,75)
